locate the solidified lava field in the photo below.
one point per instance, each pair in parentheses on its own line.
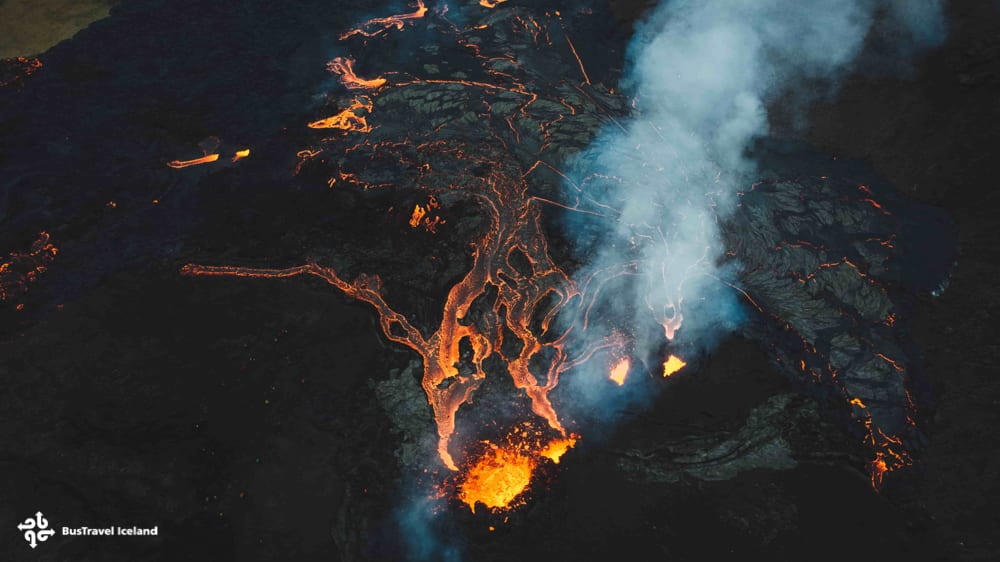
(443,281)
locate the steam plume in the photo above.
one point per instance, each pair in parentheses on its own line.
(703,74)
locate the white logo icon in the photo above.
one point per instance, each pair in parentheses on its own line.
(36,529)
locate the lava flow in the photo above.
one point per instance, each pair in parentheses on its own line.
(208,159)
(344,67)
(497,479)
(20,269)
(348,119)
(513,292)
(377,26)
(500,475)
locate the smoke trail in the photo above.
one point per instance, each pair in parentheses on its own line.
(420,534)
(703,74)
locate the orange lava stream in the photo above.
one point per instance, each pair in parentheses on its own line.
(344,67)
(499,476)
(348,119)
(557,448)
(26,67)
(378,26)
(586,79)
(510,264)
(20,269)
(185,163)
(515,226)
(491,3)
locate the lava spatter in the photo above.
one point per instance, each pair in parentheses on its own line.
(20,269)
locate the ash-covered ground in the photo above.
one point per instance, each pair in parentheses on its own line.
(270,419)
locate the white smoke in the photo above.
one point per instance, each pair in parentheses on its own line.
(703,74)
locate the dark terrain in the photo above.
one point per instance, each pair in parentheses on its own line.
(239,416)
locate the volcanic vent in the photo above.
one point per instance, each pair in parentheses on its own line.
(472,137)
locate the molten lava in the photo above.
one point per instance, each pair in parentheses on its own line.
(14,71)
(344,67)
(185,163)
(378,26)
(500,475)
(619,372)
(497,479)
(672,365)
(557,448)
(20,269)
(347,120)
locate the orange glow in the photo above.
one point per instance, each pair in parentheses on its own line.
(347,120)
(344,67)
(620,371)
(421,215)
(20,269)
(557,448)
(672,365)
(185,163)
(497,479)
(240,154)
(511,290)
(378,26)
(891,362)
(417,216)
(586,79)
(25,67)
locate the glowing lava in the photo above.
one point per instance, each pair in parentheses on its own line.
(348,118)
(344,67)
(672,365)
(619,372)
(497,479)
(501,475)
(378,26)
(185,163)
(20,269)
(557,448)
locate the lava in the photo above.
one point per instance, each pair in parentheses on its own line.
(195,162)
(421,216)
(619,372)
(572,47)
(377,26)
(344,67)
(516,225)
(672,365)
(346,120)
(209,158)
(512,289)
(20,269)
(500,475)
